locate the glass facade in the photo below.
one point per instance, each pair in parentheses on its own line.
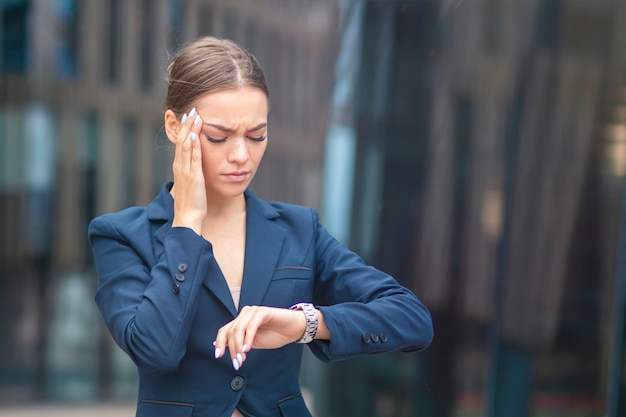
(488,178)
(476,150)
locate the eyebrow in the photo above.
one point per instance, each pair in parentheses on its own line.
(229,130)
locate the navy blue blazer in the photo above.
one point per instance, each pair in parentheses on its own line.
(163,298)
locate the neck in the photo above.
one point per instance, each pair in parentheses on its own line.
(225,206)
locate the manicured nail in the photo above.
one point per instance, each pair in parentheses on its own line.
(193,136)
(195,122)
(235,364)
(240,359)
(217,352)
(192,112)
(184,118)
(244,348)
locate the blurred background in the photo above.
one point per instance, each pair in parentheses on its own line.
(475,149)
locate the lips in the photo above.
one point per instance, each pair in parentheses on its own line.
(237,176)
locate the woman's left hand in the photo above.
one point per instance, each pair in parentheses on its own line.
(258,327)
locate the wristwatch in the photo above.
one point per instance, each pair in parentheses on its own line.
(311,321)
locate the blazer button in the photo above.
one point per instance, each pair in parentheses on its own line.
(175,288)
(366,338)
(182,267)
(237,383)
(383,338)
(180,277)
(374,337)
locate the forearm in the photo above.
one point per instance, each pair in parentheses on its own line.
(379,326)
(322,329)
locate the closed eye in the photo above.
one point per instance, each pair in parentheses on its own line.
(216,140)
(257,138)
(221,140)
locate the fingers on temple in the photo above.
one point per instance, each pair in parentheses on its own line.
(188,146)
(190,123)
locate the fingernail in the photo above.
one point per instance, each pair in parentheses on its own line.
(195,122)
(217,352)
(193,136)
(192,112)
(235,364)
(244,348)
(184,118)
(239,359)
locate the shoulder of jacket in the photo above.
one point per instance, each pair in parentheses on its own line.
(295,214)
(291,209)
(125,220)
(281,211)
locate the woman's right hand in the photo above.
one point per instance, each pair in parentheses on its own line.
(190,205)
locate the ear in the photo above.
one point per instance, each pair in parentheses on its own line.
(172,125)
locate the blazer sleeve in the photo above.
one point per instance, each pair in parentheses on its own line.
(146,309)
(367,311)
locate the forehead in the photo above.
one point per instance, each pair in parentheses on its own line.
(240,103)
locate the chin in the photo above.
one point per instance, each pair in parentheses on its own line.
(234,190)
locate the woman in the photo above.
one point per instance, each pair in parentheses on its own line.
(212,291)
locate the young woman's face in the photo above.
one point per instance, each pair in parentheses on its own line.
(233,138)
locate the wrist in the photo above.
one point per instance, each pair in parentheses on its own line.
(312,321)
(194,225)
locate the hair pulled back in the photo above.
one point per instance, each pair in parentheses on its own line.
(206,65)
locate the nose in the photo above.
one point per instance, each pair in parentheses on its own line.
(238,152)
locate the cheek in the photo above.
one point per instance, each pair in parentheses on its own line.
(259,151)
(208,155)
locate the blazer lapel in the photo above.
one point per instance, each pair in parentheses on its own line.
(264,240)
(214,280)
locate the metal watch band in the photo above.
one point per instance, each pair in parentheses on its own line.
(311,321)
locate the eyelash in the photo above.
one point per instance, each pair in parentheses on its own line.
(255,139)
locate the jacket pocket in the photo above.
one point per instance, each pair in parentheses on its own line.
(293,406)
(292,271)
(289,285)
(158,408)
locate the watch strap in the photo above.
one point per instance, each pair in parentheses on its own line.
(312,321)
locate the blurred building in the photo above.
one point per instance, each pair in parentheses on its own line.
(475,149)
(495,129)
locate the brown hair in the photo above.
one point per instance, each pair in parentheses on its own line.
(209,64)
